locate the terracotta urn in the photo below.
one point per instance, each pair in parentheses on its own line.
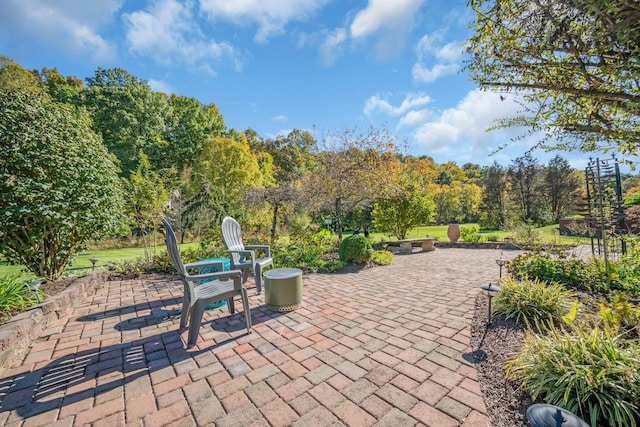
(453,232)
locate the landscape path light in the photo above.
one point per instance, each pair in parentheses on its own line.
(545,415)
(34,286)
(501,263)
(490,290)
(93,263)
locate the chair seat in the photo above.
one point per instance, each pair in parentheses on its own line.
(213,288)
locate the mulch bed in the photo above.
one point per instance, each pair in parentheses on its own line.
(493,345)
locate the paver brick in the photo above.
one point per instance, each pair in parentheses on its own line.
(432,417)
(278,413)
(352,415)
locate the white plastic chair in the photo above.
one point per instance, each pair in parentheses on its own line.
(244,257)
(198,295)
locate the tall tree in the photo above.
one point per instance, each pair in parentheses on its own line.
(525,181)
(188,126)
(58,186)
(226,171)
(145,201)
(575,63)
(127,113)
(494,191)
(561,187)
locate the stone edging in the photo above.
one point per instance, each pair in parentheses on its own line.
(17,335)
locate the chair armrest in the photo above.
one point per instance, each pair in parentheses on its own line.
(265,248)
(221,275)
(243,254)
(201,264)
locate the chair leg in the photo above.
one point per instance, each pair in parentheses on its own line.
(257,273)
(197,311)
(231,305)
(247,309)
(184,314)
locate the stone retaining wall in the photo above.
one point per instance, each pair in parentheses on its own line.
(17,335)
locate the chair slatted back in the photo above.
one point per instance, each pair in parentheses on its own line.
(172,248)
(232,236)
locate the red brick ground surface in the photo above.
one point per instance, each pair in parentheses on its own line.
(384,346)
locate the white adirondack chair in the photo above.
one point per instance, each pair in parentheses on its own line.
(244,257)
(198,295)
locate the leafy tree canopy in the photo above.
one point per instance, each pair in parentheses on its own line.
(575,64)
(58,186)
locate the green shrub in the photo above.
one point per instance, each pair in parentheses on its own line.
(307,250)
(382,257)
(621,316)
(531,300)
(470,233)
(588,372)
(354,249)
(573,273)
(492,237)
(15,295)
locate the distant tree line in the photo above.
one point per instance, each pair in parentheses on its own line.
(148,154)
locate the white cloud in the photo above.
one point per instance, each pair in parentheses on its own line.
(160,86)
(415,117)
(279,118)
(69,25)
(331,46)
(168,32)
(271,15)
(383,14)
(463,129)
(423,74)
(378,104)
(435,61)
(451,52)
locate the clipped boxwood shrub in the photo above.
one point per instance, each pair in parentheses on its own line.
(354,249)
(382,257)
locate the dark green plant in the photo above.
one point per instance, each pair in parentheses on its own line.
(15,295)
(382,257)
(354,249)
(532,301)
(58,185)
(592,373)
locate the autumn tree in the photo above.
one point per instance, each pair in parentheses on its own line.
(351,170)
(222,176)
(293,156)
(406,203)
(573,63)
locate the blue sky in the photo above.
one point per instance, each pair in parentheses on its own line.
(276,65)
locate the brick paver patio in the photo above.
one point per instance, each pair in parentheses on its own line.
(383,347)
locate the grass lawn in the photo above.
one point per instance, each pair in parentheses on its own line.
(82,263)
(550,234)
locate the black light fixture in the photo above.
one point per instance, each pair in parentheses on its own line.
(490,290)
(545,415)
(93,263)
